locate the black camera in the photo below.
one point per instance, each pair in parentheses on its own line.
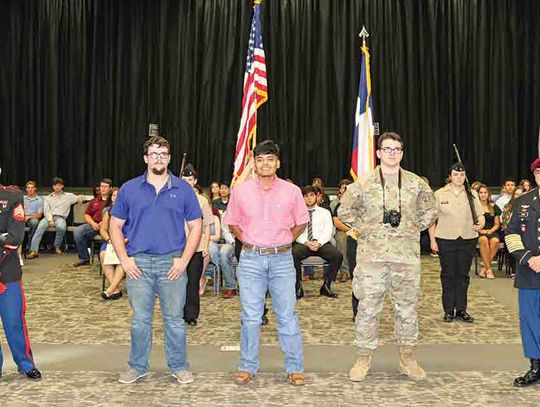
(392,217)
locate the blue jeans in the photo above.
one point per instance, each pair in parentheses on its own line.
(226,254)
(275,273)
(32,225)
(83,236)
(59,224)
(172,297)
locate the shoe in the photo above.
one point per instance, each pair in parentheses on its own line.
(228,293)
(361,368)
(32,374)
(81,263)
(116,295)
(531,377)
(344,278)
(105,296)
(448,317)
(184,377)
(21,261)
(264,320)
(57,250)
(296,379)
(191,322)
(243,377)
(130,375)
(464,317)
(32,255)
(327,291)
(299,293)
(482,273)
(305,278)
(408,364)
(489,274)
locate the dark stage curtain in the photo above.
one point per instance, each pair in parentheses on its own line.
(81,79)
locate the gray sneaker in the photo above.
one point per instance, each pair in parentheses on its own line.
(184,377)
(130,375)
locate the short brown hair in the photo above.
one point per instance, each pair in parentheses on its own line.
(31,183)
(389,135)
(159,141)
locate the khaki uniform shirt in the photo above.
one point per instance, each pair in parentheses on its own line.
(455,219)
(362,208)
(207,218)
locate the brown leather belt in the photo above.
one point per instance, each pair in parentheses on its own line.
(267,250)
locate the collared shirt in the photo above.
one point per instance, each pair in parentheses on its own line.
(503,201)
(156,220)
(207,219)
(266,216)
(219,204)
(58,205)
(322,226)
(95,209)
(33,205)
(455,218)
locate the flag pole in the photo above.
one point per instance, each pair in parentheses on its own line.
(254,139)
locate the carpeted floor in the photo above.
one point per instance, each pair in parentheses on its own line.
(64,306)
(335,390)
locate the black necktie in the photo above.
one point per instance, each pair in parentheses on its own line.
(310,226)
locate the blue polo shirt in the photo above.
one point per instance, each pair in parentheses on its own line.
(156,221)
(33,205)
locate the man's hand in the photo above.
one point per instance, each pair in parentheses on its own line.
(95,226)
(177,269)
(313,245)
(26,218)
(534,263)
(131,269)
(51,224)
(434,246)
(478,227)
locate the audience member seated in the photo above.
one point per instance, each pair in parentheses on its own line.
(84,234)
(33,210)
(56,207)
(341,230)
(214,191)
(489,236)
(315,241)
(213,248)
(506,193)
(323,200)
(525,184)
(226,256)
(114,273)
(221,202)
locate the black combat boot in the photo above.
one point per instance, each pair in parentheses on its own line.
(531,377)
(327,291)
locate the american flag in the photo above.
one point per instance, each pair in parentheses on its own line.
(363,157)
(255,93)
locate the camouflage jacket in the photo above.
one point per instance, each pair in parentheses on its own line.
(362,208)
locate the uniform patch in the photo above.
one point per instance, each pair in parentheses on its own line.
(18,212)
(3,204)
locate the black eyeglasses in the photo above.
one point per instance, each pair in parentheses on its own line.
(389,150)
(155,156)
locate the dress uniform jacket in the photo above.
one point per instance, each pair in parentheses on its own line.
(523,238)
(11,233)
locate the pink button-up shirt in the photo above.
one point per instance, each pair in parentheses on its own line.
(266,217)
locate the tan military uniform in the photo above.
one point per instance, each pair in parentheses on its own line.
(388,258)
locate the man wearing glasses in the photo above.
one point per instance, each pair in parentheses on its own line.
(154,207)
(388,207)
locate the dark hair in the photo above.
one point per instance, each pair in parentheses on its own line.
(223,183)
(31,183)
(57,180)
(389,135)
(345,181)
(309,189)
(107,181)
(509,179)
(266,147)
(158,140)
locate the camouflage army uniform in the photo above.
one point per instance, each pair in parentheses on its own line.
(387,258)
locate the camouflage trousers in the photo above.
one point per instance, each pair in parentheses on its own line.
(370,284)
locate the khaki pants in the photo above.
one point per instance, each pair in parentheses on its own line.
(370,284)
